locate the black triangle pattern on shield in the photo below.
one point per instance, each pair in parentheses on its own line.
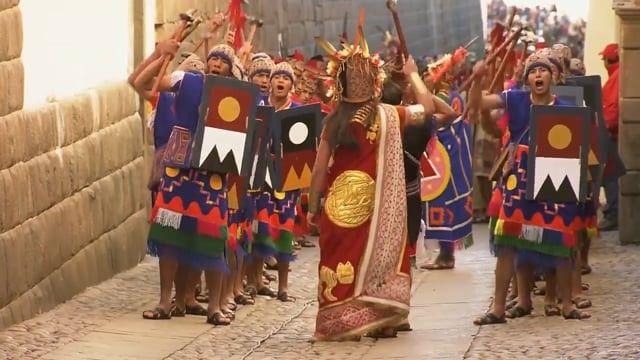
(564,193)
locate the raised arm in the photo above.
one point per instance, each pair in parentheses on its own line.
(478,101)
(422,95)
(144,76)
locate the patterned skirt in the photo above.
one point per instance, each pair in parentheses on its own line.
(189,218)
(275,217)
(541,232)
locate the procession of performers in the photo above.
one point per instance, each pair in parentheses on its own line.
(252,151)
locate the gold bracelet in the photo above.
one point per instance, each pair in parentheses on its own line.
(418,84)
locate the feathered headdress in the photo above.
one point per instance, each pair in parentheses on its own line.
(362,72)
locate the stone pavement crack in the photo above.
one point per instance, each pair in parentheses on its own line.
(285,323)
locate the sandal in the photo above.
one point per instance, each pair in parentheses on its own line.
(218,319)
(511,304)
(586,270)
(196,310)
(177,312)
(243,300)
(540,291)
(518,312)
(202,298)
(157,314)
(251,291)
(267,291)
(385,333)
(586,287)
(582,303)
(269,277)
(284,297)
(232,306)
(489,319)
(229,314)
(439,265)
(575,314)
(552,310)
(306,243)
(297,246)
(404,327)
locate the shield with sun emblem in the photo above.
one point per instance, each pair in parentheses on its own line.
(300,130)
(227,115)
(558,153)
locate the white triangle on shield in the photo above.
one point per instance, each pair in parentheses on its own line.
(557,169)
(224,141)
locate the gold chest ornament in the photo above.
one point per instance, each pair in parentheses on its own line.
(350,199)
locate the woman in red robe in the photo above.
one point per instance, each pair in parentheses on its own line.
(365,284)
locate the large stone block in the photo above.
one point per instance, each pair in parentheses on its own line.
(14,146)
(11,86)
(11,28)
(128,242)
(629,145)
(5,4)
(629,214)
(294,10)
(39,170)
(42,127)
(4,274)
(630,110)
(296,35)
(17,203)
(628,70)
(116,101)
(15,251)
(630,183)
(76,118)
(630,34)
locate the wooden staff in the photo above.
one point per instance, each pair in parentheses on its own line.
(186,19)
(491,58)
(255,24)
(392,5)
(503,65)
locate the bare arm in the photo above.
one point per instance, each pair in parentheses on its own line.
(422,95)
(144,82)
(444,113)
(318,178)
(143,65)
(478,101)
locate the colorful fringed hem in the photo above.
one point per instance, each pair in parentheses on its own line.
(533,238)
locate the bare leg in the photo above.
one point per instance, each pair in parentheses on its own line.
(504,273)
(283,280)
(181,285)
(193,279)
(238,289)
(168,268)
(564,273)
(214,285)
(550,296)
(584,252)
(524,276)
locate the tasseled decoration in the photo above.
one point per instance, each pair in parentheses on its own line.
(168,218)
(237,19)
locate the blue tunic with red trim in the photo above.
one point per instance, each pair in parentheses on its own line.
(275,218)
(540,230)
(189,217)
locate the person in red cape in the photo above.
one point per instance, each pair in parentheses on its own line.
(610,105)
(364,281)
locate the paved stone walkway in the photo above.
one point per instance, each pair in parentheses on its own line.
(104,322)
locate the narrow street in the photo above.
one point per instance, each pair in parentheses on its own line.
(104,322)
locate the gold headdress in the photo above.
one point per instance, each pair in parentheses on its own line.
(364,71)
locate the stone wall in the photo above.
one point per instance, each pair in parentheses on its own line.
(72,187)
(430,26)
(629,138)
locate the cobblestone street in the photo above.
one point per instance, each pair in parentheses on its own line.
(104,322)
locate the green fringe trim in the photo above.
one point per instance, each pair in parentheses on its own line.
(196,243)
(513,241)
(282,245)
